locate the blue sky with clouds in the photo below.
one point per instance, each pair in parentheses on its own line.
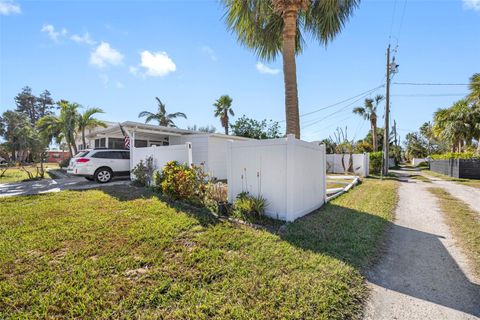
(119,55)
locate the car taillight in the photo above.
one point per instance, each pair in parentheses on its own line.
(82,160)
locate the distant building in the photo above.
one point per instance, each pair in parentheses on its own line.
(57,156)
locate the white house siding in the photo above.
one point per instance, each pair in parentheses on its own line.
(361,163)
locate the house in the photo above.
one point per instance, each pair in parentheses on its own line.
(57,156)
(208,149)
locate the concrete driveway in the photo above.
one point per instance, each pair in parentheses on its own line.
(54,185)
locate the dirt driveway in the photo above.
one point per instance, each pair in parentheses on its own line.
(423,274)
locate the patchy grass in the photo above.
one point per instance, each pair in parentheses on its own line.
(468,182)
(16,174)
(464,222)
(420,178)
(121,252)
(332,184)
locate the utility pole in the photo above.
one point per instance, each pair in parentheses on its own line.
(387,115)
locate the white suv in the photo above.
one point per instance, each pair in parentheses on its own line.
(100,165)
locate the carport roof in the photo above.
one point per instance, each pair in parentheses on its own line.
(132,126)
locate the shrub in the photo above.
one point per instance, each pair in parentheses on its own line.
(143,172)
(423,164)
(455,155)
(376,162)
(64,163)
(247,207)
(181,182)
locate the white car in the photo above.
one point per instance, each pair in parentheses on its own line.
(100,165)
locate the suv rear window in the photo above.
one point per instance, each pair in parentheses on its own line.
(81,154)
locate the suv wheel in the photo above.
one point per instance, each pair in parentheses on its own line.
(103,175)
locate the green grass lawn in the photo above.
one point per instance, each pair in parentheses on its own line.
(468,182)
(16,174)
(464,222)
(123,253)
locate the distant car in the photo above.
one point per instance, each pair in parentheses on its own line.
(100,165)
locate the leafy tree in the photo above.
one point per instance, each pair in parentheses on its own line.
(415,146)
(15,125)
(454,124)
(251,128)
(369,112)
(433,144)
(206,129)
(162,117)
(44,104)
(271,27)
(223,109)
(62,127)
(474,86)
(26,103)
(86,120)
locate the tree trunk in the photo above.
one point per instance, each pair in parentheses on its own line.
(290,72)
(374,135)
(478,145)
(225,123)
(83,139)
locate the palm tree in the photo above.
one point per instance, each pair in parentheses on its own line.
(162,117)
(454,124)
(62,127)
(270,27)
(369,112)
(223,108)
(86,120)
(474,86)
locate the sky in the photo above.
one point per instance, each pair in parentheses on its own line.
(120,55)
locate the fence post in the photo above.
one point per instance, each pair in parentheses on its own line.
(324,157)
(289,197)
(189,154)
(229,171)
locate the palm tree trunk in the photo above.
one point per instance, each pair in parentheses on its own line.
(83,139)
(374,136)
(290,72)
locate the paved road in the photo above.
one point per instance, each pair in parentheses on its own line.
(423,275)
(52,185)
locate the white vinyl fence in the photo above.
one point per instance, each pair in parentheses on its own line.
(417,161)
(288,173)
(161,155)
(361,163)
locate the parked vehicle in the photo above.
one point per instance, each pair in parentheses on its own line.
(100,165)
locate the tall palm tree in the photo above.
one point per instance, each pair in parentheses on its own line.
(223,109)
(86,120)
(162,117)
(474,86)
(62,127)
(271,27)
(369,112)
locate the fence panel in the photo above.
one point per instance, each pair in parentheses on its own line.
(360,163)
(161,155)
(288,173)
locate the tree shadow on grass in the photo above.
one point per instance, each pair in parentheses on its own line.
(417,264)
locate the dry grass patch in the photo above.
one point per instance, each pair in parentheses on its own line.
(464,222)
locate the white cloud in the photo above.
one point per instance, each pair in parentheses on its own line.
(209,52)
(471,4)
(85,38)
(266,70)
(105,79)
(119,85)
(8,7)
(52,33)
(156,64)
(105,55)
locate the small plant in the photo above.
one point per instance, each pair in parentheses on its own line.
(64,163)
(181,182)
(455,155)
(376,162)
(247,207)
(143,172)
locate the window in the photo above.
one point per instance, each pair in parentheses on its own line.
(116,143)
(100,143)
(140,143)
(126,155)
(104,155)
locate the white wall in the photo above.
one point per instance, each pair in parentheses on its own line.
(417,161)
(161,155)
(361,163)
(288,173)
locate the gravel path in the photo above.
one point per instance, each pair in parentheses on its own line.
(467,194)
(423,274)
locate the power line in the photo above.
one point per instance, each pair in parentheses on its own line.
(430,95)
(401,21)
(430,84)
(338,103)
